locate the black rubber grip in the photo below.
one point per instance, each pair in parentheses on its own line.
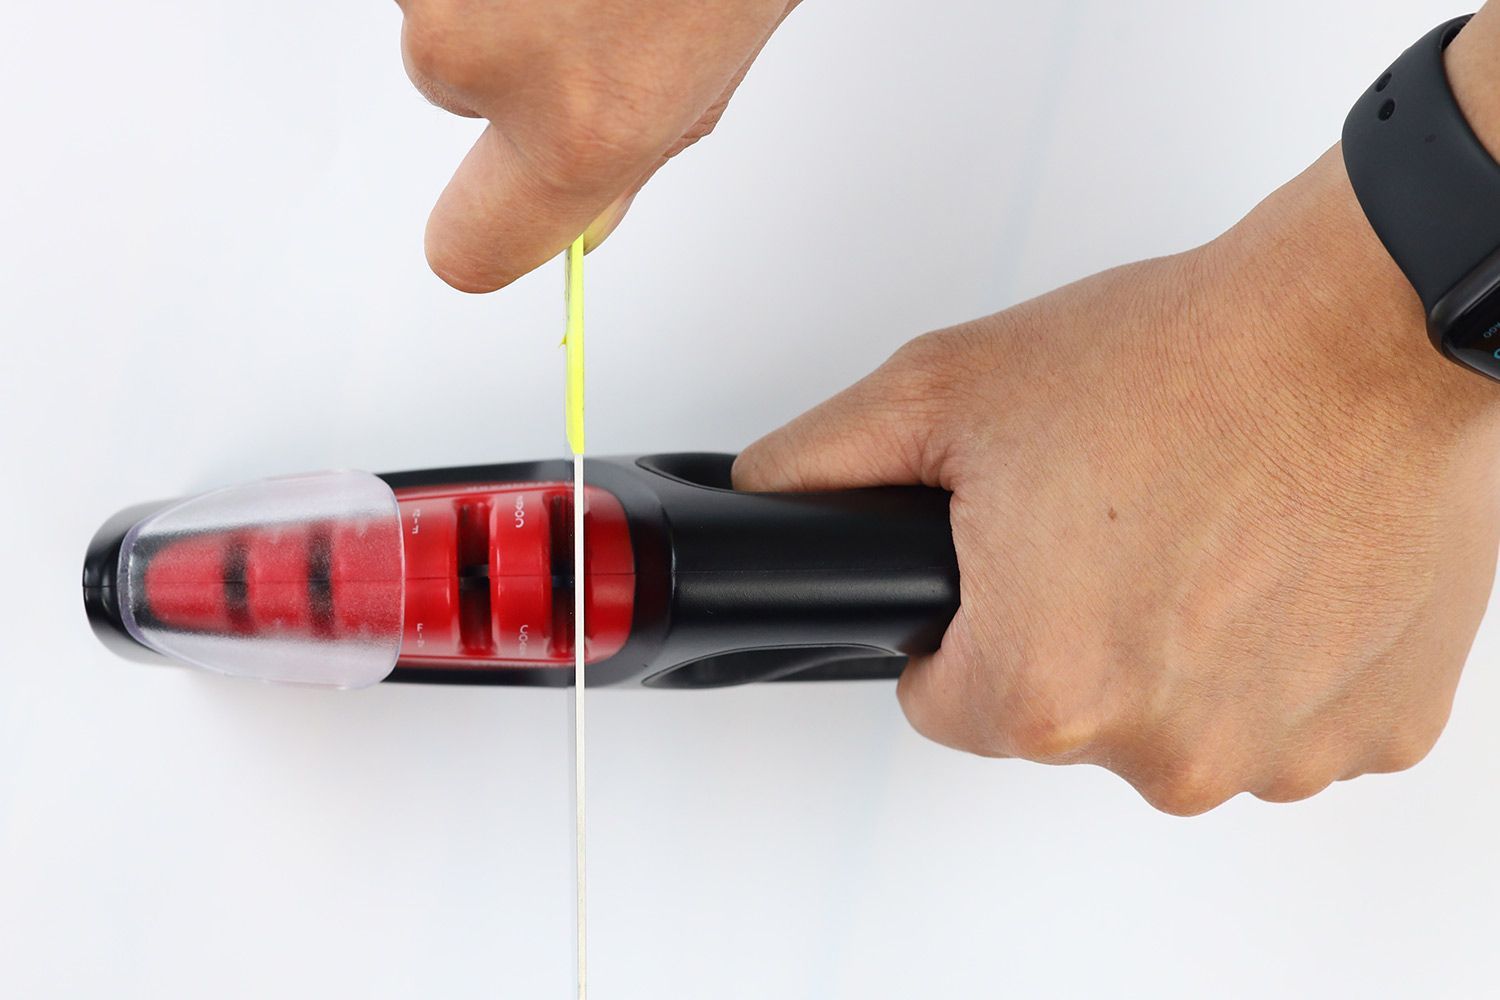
(1426,183)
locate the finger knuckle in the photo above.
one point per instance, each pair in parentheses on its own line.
(929,717)
(1189,788)
(1294,786)
(938,706)
(1050,726)
(925,365)
(1414,730)
(1407,748)
(437,49)
(924,381)
(1045,737)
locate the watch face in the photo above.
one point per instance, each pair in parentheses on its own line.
(1473,339)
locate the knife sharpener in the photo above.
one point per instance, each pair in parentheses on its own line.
(465,576)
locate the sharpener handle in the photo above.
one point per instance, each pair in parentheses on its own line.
(784,579)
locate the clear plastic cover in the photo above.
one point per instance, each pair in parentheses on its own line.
(296,579)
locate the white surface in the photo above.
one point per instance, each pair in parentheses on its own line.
(212,271)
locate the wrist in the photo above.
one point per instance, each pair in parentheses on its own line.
(1327,282)
(1472,63)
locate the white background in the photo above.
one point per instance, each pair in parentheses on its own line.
(211,270)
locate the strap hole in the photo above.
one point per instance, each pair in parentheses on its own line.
(1386,110)
(1381,83)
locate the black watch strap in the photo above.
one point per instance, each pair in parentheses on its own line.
(1426,183)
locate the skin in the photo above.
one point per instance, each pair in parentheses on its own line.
(1225,521)
(586,100)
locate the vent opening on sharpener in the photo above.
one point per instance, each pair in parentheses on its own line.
(476,624)
(560,523)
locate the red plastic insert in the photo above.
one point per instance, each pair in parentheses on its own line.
(489,575)
(488,578)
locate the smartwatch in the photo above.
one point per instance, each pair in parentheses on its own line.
(1432,194)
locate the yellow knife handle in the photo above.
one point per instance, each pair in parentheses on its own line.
(573,344)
